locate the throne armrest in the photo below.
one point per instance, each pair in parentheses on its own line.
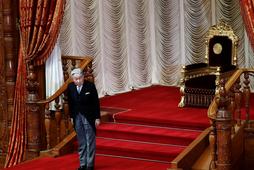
(227,68)
(194,70)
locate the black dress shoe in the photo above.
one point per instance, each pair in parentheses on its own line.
(82,168)
(90,168)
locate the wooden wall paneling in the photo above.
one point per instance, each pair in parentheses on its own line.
(9,40)
(3,101)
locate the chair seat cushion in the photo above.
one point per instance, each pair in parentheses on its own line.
(203,82)
(195,66)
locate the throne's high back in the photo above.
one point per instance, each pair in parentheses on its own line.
(221,46)
(199,81)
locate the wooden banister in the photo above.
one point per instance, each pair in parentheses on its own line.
(66,57)
(225,115)
(232,80)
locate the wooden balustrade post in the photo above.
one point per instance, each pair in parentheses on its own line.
(47,124)
(232,104)
(65,69)
(58,116)
(223,126)
(213,145)
(33,115)
(73,64)
(246,92)
(224,144)
(88,72)
(66,114)
(65,100)
(231,109)
(238,100)
(182,87)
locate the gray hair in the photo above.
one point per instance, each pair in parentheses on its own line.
(77,72)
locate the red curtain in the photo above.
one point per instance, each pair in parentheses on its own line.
(247,9)
(40,22)
(17,142)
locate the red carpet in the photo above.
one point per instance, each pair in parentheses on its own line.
(150,134)
(149,125)
(70,162)
(156,105)
(148,131)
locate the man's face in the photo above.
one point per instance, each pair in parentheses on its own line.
(78,79)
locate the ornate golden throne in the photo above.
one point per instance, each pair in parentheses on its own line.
(199,82)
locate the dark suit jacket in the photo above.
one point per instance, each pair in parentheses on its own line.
(86,103)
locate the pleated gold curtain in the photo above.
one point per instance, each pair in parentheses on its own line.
(137,43)
(40,22)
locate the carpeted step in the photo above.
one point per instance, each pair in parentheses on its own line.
(152,134)
(138,150)
(120,163)
(102,162)
(176,119)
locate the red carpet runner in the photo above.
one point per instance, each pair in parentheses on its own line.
(147,132)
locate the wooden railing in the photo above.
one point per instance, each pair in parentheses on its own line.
(225,113)
(57,123)
(222,146)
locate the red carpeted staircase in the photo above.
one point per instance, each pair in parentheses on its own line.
(147,131)
(143,142)
(148,125)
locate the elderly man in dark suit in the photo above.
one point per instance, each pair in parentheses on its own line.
(85,113)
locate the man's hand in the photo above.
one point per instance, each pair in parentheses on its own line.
(71,121)
(97,122)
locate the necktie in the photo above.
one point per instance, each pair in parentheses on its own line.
(79,89)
